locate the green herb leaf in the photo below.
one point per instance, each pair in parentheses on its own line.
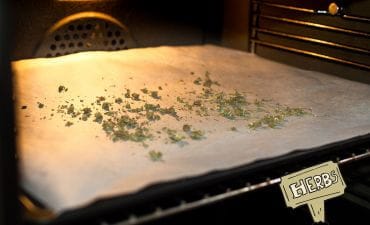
(155,95)
(40,105)
(106,106)
(155,156)
(61,88)
(135,96)
(198,81)
(98,117)
(118,100)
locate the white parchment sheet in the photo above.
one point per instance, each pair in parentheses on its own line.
(68,167)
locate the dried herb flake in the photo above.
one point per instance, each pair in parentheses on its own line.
(155,156)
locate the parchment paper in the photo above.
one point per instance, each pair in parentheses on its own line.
(68,167)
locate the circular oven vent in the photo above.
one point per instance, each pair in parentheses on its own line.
(87,31)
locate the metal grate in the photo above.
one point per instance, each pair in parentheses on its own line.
(215,193)
(89,31)
(207,199)
(340,38)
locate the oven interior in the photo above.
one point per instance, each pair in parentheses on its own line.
(332,37)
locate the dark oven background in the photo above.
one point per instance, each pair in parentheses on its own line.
(151,23)
(300,33)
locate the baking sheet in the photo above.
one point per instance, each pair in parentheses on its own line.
(69,167)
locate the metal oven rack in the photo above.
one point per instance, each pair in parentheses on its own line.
(207,199)
(323,39)
(229,185)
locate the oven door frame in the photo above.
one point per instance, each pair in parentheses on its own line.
(9,214)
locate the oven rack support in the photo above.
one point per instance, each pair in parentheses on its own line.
(314,11)
(208,199)
(305,44)
(39,214)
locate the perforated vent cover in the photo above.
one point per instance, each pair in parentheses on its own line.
(88,31)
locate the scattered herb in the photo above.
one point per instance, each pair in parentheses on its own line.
(40,105)
(71,109)
(61,88)
(208,82)
(186,128)
(276,119)
(181,100)
(98,117)
(196,134)
(110,113)
(173,135)
(118,100)
(152,116)
(136,110)
(100,99)
(155,156)
(197,103)
(126,122)
(152,107)
(105,106)
(287,111)
(232,106)
(155,95)
(198,81)
(144,90)
(169,111)
(258,103)
(86,113)
(193,134)
(132,121)
(202,111)
(141,134)
(108,126)
(135,96)
(128,93)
